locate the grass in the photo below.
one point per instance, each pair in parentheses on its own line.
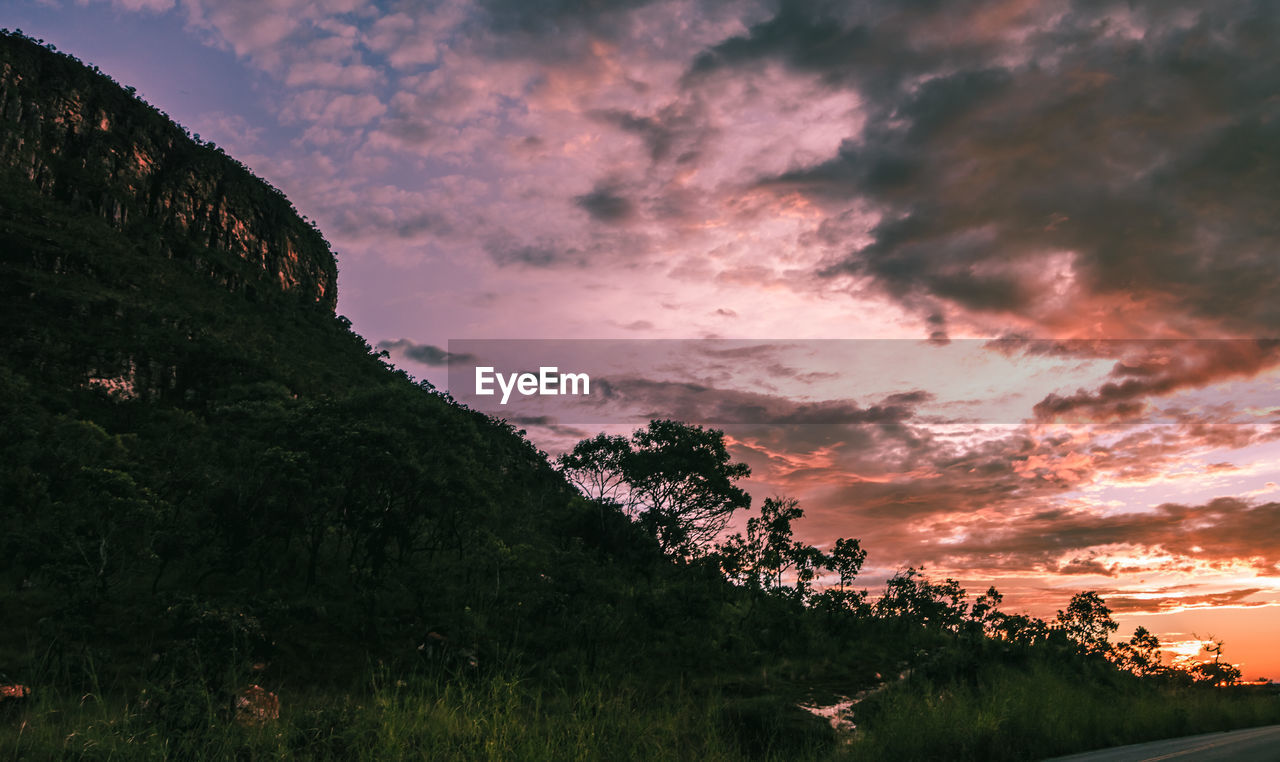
(494,718)
(1007,713)
(1035,712)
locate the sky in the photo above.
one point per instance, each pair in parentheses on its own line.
(1060,216)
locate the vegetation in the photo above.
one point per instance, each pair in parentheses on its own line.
(215,498)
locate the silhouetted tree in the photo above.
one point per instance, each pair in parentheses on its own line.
(1087,622)
(596,467)
(984,616)
(847,557)
(1216,672)
(676,480)
(910,597)
(1141,654)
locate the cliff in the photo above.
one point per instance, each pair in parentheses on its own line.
(85,141)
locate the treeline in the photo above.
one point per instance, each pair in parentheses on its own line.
(677,483)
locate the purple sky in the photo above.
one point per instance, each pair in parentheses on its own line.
(520,169)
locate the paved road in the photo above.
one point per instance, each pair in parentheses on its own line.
(1251,745)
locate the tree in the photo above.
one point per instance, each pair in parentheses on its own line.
(1216,672)
(846,560)
(676,480)
(985,616)
(1087,622)
(768,551)
(773,528)
(1021,629)
(910,597)
(1141,655)
(596,467)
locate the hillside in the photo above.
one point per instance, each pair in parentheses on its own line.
(204,464)
(185,420)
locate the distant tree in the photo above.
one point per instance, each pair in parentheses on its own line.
(768,552)
(682,482)
(676,480)
(597,466)
(1216,672)
(984,616)
(1021,629)
(808,562)
(1141,654)
(774,529)
(1087,622)
(847,557)
(911,597)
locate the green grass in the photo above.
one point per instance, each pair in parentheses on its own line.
(493,718)
(1035,712)
(1007,714)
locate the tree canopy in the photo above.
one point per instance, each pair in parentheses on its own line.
(675,479)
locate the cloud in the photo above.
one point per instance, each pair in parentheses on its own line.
(543,254)
(427,354)
(1155,369)
(1047,173)
(333,108)
(154,6)
(678,131)
(606,205)
(416,35)
(1155,603)
(1221,530)
(331,75)
(689,401)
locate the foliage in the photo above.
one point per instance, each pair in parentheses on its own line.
(1087,622)
(1140,654)
(769,551)
(912,599)
(1034,706)
(676,480)
(1215,672)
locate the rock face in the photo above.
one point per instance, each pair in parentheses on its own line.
(82,139)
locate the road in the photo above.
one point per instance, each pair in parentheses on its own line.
(1250,745)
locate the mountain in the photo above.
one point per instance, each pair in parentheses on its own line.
(81,140)
(191,435)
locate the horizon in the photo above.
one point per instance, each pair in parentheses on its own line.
(690,171)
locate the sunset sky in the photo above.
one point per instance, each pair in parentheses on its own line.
(1066,177)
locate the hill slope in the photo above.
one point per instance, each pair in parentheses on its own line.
(188,430)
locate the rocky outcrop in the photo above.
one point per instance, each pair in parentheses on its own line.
(83,139)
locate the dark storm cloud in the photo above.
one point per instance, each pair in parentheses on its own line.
(677,131)
(532,255)
(549,17)
(1224,529)
(427,354)
(1143,138)
(1160,368)
(605,204)
(1121,603)
(871,50)
(641,398)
